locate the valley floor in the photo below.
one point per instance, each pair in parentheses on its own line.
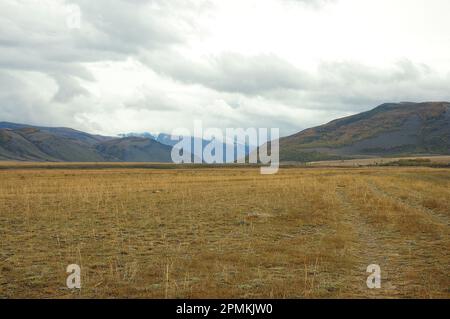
(225,233)
(436,160)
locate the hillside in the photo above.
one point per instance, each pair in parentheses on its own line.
(388,130)
(33,144)
(20,142)
(134,149)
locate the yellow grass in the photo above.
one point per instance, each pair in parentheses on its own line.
(379,161)
(225,232)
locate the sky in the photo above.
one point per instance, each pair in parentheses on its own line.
(112,67)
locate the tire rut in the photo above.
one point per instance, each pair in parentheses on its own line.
(371,250)
(436,217)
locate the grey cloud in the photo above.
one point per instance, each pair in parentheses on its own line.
(132,28)
(35,38)
(127,26)
(353,87)
(346,86)
(348,72)
(19,101)
(68,88)
(313,3)
(38,39)
(231,72)
(154,101)
(31,98)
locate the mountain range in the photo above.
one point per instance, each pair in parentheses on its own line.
(21,142)
(167,139)
(400,129)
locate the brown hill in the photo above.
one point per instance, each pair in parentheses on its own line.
(388,130)
(20,142)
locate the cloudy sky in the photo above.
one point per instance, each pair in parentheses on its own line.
(115,66)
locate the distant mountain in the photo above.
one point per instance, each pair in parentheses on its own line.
(162,138)
(134,149)
(389,129)
(145,134)
(21,142)
(166,139)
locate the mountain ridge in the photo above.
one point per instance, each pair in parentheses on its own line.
(389,129)
(22,142)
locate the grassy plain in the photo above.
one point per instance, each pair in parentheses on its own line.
(224,232)
(430,160)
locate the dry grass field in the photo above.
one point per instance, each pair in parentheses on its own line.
(224,232)
(439,160)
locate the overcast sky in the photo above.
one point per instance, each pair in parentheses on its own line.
(154,65)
